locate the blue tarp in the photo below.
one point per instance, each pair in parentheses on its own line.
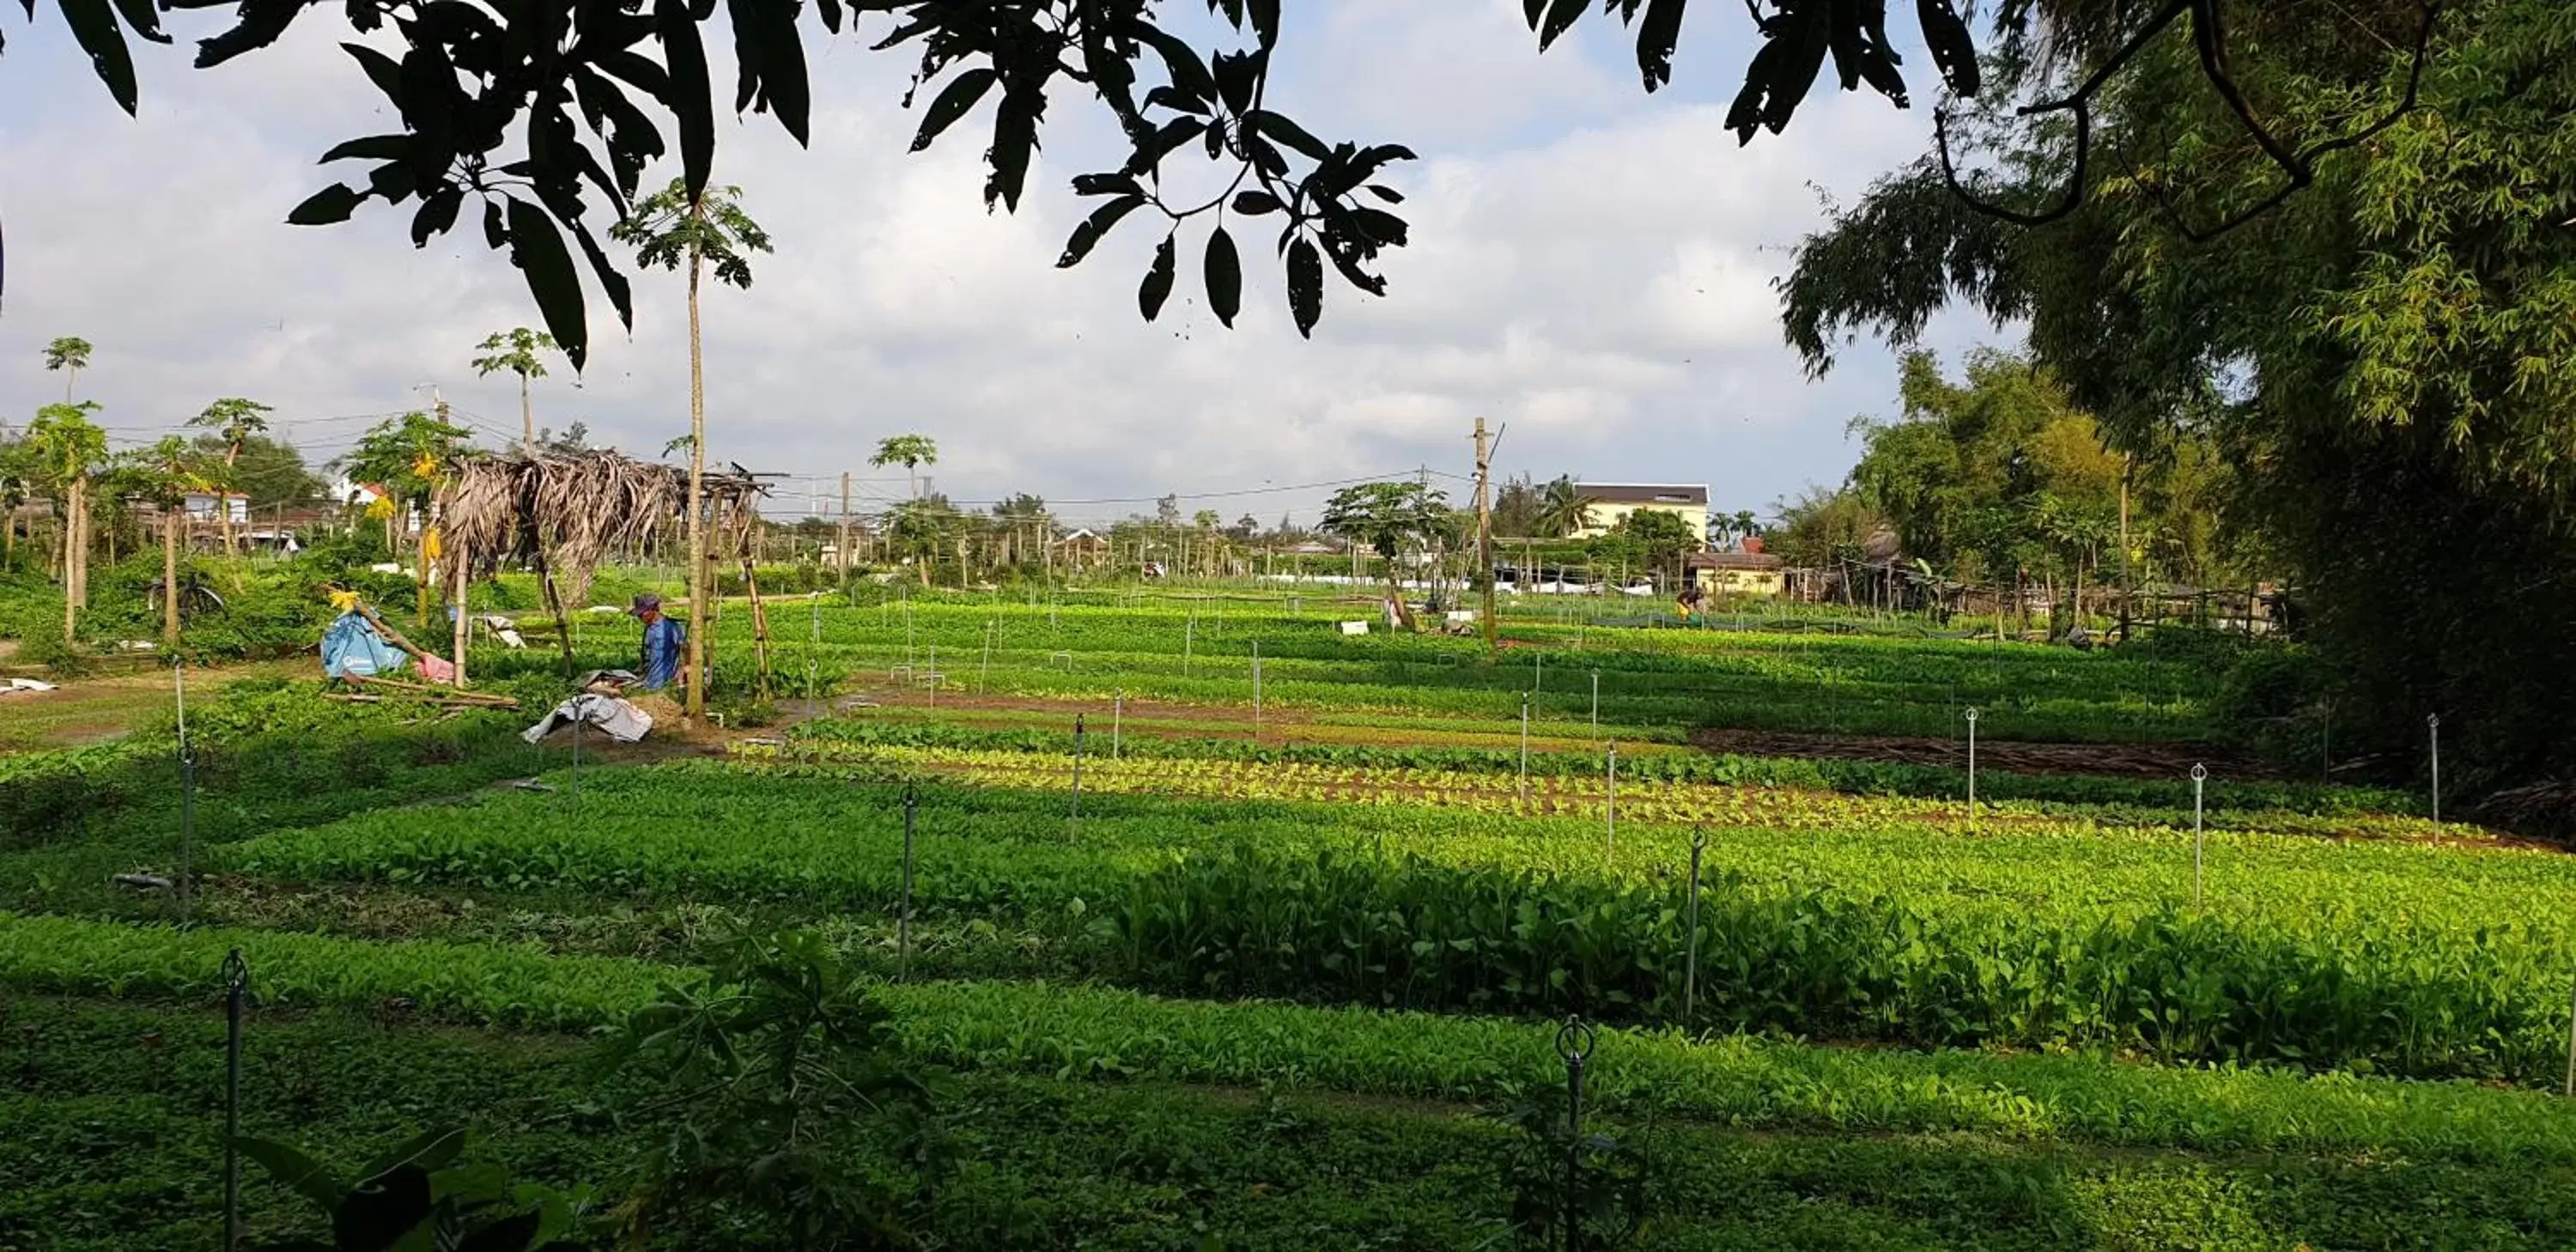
(352,646)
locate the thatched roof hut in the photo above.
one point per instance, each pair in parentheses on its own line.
(562,513)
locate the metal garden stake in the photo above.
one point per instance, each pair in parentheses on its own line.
(187,795)
(903,918)
(1256,686)
(1690,952)
(1189,640)
(1574,1042)
(236,975)
(1117,715)
(2571,1050)
(1972,769)
(1596,704)
(2199,778)
(1524,751)
(984,676)
(1610,841)
(1076,813)
(2433,740)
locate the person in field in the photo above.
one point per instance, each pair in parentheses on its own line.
(666,643)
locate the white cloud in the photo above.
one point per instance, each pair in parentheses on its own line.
(1589,265)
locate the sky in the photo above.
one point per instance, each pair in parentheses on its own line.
(1590,270)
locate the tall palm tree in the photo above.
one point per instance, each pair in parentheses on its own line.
(908,451)
(1561,508)
(65,449)
(517,351)
(671,228)
(70,354)
(233,420)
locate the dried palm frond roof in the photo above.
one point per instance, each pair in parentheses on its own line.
(567,510)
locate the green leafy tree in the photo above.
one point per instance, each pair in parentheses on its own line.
(923,528)
(17,486)
(167,473)
(70,355)
(519,351)
(1662,539)
(233,419)
(2385,361)
(409,457)
(692,226)
(64,451)
(1385,517)
(909,451)
(270,472)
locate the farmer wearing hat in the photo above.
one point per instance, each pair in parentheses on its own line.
(666,643)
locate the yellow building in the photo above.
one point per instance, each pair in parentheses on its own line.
(1736,573)
(1606,504)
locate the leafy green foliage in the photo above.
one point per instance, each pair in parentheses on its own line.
(416,1196)
(2376,359)
(1075,1031)
(772,1068)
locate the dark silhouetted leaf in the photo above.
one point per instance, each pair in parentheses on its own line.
(140,17)
(1157,286)
(260,24)
(1189,74)
(507,1235)
(1255,203)
(300,1173)
(429,1151)
(1106,185)
(1559,19)
(93,24)
(1656,38)
(620,295)
(437,213)
(373,1215)
(539,250)
(1382,226)
(331,204)
(1265,21)
(960,95)
(1094,228)
(1954,54)
(1388,194)
(372,147)
(1288,132)
(1015,139)
(690,99)
(381,69)
(1151,151)
(1224,276)
(1305,286)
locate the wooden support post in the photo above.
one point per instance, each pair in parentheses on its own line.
(464,631)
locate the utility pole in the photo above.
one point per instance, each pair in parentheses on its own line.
(1485,532)
(842,549)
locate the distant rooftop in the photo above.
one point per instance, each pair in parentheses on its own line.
(1731,560)
(1647,493)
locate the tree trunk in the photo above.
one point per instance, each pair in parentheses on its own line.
(527,416)
(170,575)
(699,598)
(75,553)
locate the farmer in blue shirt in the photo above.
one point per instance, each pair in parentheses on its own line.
(666,643)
